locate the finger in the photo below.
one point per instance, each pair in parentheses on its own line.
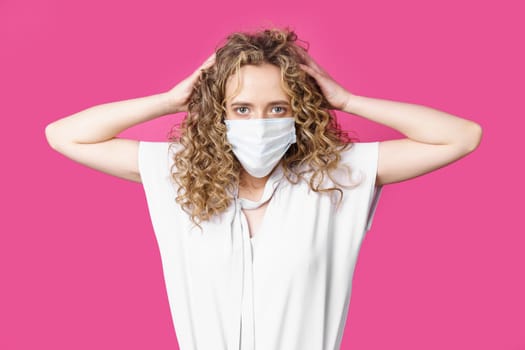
(206,64)
(317,66)
(310,70)
(209,61)
(308,59)
(305,56)
(314,66)
(311,62)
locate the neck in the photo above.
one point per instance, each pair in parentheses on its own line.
(248,181)
(251,187)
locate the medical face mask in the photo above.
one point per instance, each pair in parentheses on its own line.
(259,144)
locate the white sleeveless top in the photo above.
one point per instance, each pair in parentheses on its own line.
(289,286)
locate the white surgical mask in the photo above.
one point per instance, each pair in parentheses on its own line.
(259,144)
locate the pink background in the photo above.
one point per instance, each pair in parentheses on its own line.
(443,266)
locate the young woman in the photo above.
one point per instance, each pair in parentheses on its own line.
(260,202)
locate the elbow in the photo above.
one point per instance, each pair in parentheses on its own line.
(47,132)
(472,137)
(51,136)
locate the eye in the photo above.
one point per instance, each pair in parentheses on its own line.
(282,108)
(238,108)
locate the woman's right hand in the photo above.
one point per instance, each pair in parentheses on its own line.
(178,96)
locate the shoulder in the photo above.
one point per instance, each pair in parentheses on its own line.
(358,163)
(156,157)
(159,147)
(360,153)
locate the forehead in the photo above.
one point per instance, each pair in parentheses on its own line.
(256,83)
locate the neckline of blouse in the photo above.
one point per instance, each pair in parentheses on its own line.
(269,189)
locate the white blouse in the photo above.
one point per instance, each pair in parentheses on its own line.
(289,286)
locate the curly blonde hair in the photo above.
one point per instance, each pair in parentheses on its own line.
(206,169)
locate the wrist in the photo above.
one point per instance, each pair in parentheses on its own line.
(171,105)
(351,103)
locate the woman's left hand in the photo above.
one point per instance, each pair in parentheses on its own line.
(336,95)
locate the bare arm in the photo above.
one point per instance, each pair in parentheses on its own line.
(434,138)
(89,136)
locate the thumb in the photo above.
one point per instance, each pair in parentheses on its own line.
(209,61)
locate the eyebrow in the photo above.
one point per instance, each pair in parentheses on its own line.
(280,102)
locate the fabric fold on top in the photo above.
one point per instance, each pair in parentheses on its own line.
(243,333)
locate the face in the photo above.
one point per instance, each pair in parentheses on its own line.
(260,94)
